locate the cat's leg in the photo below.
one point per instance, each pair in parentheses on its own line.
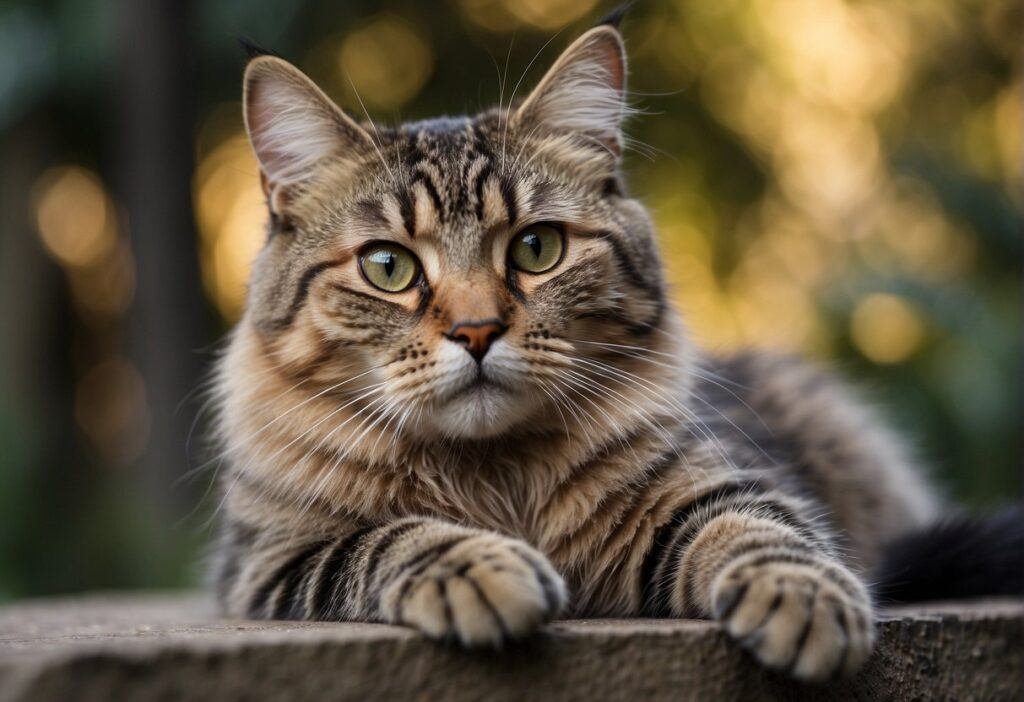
(775,585)
(448,581)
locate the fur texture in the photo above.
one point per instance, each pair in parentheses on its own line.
(591,463)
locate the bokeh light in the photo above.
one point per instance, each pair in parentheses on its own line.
(77,223)
(384,63)
(886,328)
(74,216)
(110,408)
(507,15)
(231,217)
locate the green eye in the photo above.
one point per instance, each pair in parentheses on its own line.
(389,267)
(537,248)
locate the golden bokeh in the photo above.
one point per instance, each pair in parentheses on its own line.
(549,14)
(77,223)
(231,218)
(807,86)
(111,409)
(74,216)
(507,15)
(887,328)
(385,62)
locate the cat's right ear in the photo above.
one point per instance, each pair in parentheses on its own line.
(293,126)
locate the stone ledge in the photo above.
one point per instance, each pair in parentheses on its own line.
(171,647)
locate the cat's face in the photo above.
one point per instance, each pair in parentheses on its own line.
(453,276)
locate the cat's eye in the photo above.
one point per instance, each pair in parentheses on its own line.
(537,249)
(389,267)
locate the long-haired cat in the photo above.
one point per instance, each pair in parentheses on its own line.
(459,399)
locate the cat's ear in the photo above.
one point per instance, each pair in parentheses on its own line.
(293,126)
(584,91)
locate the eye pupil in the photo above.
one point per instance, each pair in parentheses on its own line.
(534,242)
(389,264)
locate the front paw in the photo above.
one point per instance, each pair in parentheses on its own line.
(484,591)
(813,622)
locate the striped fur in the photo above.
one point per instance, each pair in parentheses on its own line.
(593,463)
(445,579)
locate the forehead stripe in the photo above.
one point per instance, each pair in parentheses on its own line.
(420,177)
(478,189)
(407,210)
(508,194)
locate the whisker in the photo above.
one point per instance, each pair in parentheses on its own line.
(704,430)
(256,434)
(516,89)
(279,451)
(382,405)
(376,135)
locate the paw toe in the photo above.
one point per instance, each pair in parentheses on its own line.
(824,650)
(427,609)
(477,622)
(756,605)
(778,642)
(793,617)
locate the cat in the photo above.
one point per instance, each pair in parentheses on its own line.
(459,399)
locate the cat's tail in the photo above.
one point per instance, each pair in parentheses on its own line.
(959,557)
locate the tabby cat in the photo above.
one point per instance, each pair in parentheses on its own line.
(459,399)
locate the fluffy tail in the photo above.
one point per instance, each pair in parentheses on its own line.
(957,558)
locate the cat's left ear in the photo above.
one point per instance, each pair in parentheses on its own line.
(583,93)
(294,128)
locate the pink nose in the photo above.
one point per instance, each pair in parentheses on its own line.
(477,337)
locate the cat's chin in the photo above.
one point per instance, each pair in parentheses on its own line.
(482,411)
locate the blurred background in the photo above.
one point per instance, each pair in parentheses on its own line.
(841,178)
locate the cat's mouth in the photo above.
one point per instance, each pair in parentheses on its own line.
(480,402)
(481,385)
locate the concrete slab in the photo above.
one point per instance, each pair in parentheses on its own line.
(173,647)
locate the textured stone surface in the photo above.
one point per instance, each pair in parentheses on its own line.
(129,647)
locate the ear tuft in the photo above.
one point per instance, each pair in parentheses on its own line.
(293,126)
(614,18)
(584,92)
(252,49)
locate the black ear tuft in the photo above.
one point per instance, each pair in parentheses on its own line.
(252,49)
(614,18)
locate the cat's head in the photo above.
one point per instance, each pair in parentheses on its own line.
(464,275)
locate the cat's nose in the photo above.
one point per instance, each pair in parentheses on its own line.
(476,337)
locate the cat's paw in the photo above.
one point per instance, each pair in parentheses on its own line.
(487,590)
(814,623)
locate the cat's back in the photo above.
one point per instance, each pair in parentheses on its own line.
(812,436)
